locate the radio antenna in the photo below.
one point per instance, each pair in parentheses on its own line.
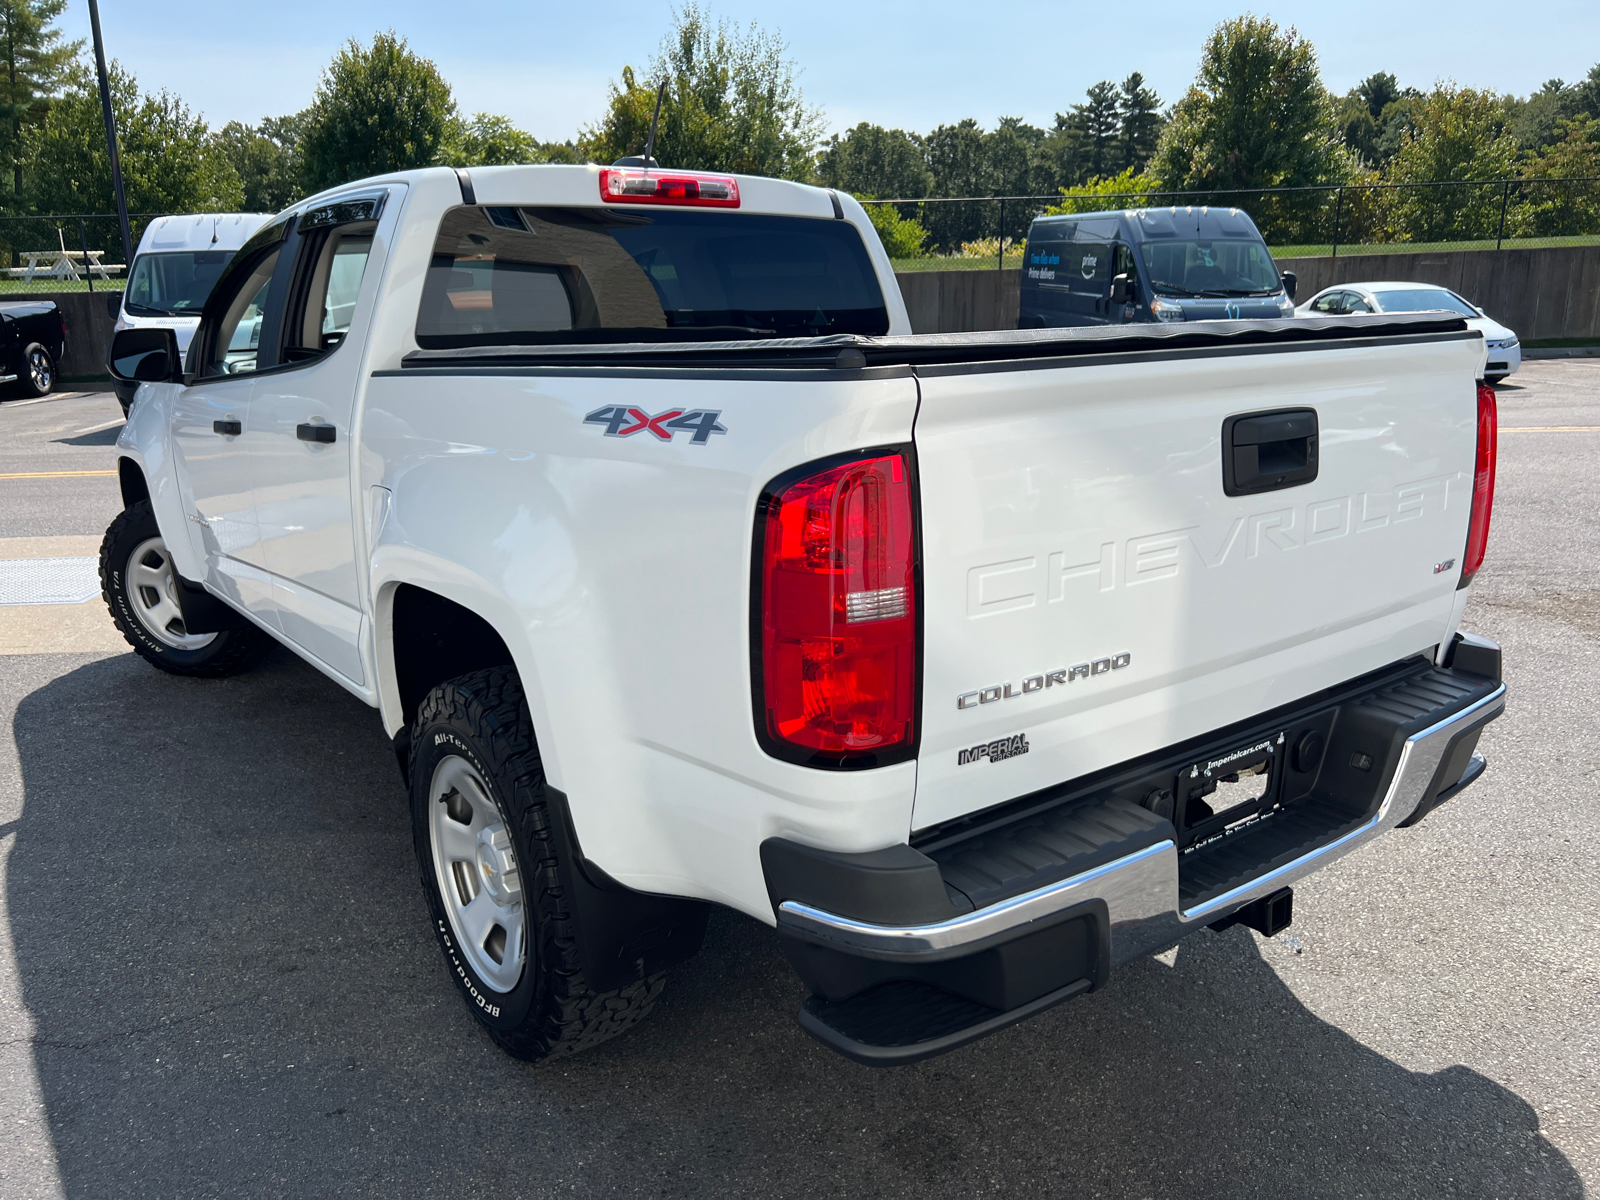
(650,142)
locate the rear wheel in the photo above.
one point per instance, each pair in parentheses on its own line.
(491,872)
(38,371)
(140,586)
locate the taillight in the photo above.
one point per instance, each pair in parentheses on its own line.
(1482,486)
(635,185)
(837,604)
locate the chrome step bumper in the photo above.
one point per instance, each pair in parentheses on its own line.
(1140,890)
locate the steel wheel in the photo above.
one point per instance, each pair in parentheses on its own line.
(152,587)
(41,370)
(475,865)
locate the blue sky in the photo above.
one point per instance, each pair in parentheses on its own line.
(909,65)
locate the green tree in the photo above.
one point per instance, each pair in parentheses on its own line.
(1256,117)
(1550,209)
(1358,128)
(959,163)
(1139,111)
(1130,189)
(1586,95)
(957,160)
(1099,119)
(488,140)
(1398,118)
(902,237)
(1377,91)
(1360,119)
(170,161)
(379,108)
(36,63)
(1460,136)
(732,104)
(872,160)
(563,152)
(1011,149)
(267,159)
(1533,121)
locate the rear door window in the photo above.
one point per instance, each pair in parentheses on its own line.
(519,276)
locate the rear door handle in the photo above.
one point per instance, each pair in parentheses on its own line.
(231,428)
(316,432)
(1265,451)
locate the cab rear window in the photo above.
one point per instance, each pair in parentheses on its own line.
(526,276)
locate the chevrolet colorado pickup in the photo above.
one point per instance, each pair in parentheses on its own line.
(682,574)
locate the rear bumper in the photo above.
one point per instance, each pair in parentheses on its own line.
(1122,888)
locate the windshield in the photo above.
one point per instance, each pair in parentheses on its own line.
(167,285)
(1422,299)
(519,276)
(1210,268)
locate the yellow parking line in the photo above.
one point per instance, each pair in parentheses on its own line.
(1550,429)
(50,474)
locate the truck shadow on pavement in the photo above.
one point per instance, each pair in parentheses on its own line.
(214,908)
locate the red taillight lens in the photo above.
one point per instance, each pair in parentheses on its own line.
(1482,486)
(838,611)
(634,185)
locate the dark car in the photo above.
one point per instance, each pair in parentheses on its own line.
(33,339)
(1149,264)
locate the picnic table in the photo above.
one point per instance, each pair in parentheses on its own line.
(63,264)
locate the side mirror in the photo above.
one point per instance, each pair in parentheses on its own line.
(1289,281)
(113,305)
(145,356)
(1122,290)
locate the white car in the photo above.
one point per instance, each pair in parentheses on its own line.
(1505,352)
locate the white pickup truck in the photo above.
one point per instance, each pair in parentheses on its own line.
(681,573)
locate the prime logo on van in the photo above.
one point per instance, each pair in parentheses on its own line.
(1088,265)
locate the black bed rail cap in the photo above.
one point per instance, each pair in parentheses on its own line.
(853,351)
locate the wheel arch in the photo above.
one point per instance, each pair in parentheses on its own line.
(130,478)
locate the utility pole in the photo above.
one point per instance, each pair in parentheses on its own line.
(111,133)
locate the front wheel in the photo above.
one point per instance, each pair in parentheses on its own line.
(38,371)
(140,587)
(489,857)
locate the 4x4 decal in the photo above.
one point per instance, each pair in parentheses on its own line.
(622,421)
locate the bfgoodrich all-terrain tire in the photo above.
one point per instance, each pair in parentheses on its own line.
(139,585)
(489,857)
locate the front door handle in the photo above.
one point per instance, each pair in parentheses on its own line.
(231,428)
(317,432)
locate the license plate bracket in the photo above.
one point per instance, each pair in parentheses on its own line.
(1225,794)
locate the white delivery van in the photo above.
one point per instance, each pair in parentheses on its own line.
(178,260)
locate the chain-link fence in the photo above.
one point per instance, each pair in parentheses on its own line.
(78,252)
(1383,218)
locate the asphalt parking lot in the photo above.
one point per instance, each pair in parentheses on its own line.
(216,976)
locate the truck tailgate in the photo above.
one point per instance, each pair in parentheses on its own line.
(1091,592)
